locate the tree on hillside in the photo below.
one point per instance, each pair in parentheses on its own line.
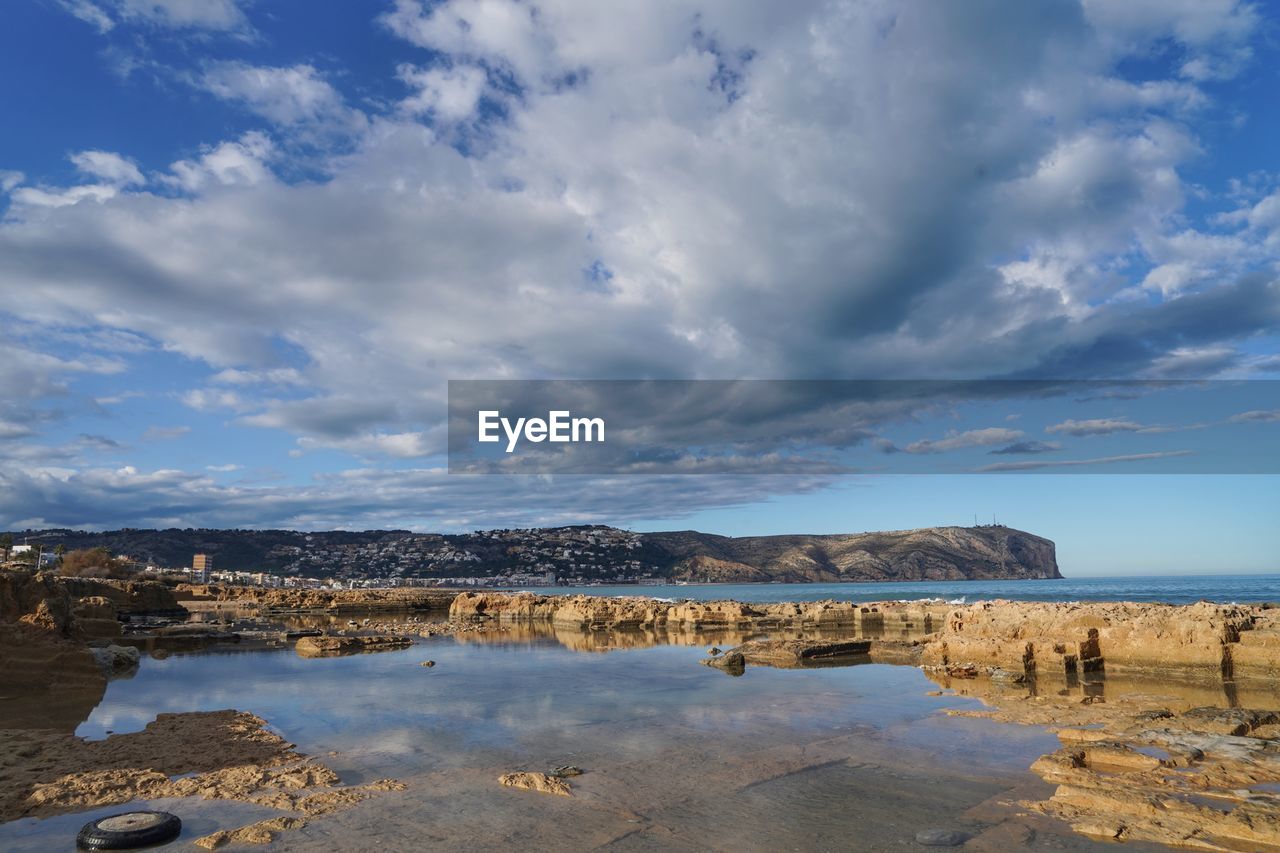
(6,542)
(94,563)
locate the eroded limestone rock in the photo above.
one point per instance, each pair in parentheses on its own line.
(793,653)
(333,646)
(534,781)
(1238,642)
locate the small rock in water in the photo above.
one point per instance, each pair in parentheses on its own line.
(540,782)
(713,651)
(732,663)
(941,838)
(565,772)
(428,663)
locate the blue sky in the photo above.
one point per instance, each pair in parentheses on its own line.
(244,245)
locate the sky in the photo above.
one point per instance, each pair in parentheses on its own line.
(245,245)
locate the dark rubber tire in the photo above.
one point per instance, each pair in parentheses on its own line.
(129,830)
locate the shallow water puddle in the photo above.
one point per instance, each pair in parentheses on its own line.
(199,818)
(677,755)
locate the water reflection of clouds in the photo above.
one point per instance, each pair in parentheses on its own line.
(495,702)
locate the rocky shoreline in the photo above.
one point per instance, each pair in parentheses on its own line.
(1136,765)
(332,601)
(1167,715)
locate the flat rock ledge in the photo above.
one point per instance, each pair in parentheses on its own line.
(594,612)
(334,646)
(1228,641)
(788,653)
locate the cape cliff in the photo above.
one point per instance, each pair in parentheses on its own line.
(929,553)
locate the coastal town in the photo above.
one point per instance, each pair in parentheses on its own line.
(532,557)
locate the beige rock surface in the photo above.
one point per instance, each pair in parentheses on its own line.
(1238,642)
(228,755)
(262,832)
(324,600)
(333,646)
(534,781)
(1143,760)
(588,612)
(793,653)
(127,596)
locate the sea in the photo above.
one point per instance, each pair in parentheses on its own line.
(1166,589)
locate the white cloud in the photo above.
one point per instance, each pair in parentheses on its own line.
(969,438)
(447,94)
(159,433)
(1094,426)
(1033,464)
(1257,416)
(1195,23)
(109,167)
(270,376)
(12,429)
(26,373)
(197,14)
(203,400)
(210,15)
(720,189)
(362,498)
(401,445)
(1194,362)
(113,172)
(239,163)
(294,95)
(37,197)
(1213,33)
(90,13)
(116,399)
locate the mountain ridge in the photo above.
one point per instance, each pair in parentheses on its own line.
(591,552)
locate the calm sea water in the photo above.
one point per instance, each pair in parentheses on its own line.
(1183,589)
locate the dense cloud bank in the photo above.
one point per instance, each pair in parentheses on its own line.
(625,190)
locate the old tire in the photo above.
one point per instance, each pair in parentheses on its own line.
(128,830)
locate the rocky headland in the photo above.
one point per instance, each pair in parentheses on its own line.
(593,553)
(927,553)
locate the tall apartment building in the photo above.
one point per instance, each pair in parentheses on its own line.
(201,566)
